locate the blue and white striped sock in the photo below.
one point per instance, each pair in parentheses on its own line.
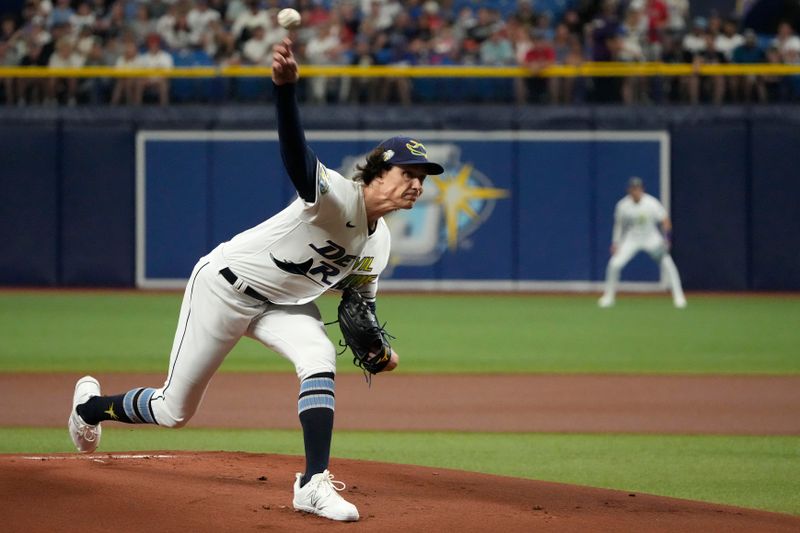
(315,406)
(133,407)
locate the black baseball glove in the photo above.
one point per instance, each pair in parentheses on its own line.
(362,333)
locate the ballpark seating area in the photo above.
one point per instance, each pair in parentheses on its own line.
(410,33)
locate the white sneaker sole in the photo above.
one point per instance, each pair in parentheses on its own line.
(73,422)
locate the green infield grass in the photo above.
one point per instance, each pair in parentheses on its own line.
(755,472)
(132,331)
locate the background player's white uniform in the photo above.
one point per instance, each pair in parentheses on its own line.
(636,229)
(291,258)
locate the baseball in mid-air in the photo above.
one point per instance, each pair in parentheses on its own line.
(289,18)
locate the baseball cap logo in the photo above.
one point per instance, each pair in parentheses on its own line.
(417,148)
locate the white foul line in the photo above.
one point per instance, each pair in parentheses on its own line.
(94,457)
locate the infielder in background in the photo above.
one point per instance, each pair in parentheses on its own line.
(263,283)
(637,218)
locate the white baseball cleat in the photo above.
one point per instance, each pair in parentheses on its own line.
(680,303)
(320,496)
(605,301)
(85,436)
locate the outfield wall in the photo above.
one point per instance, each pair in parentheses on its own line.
(67,215)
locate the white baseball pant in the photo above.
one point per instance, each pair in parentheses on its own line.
(655,245)
(213,317)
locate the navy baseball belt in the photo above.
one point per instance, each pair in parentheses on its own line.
(237,284)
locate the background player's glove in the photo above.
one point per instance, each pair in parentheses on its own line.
(362,333)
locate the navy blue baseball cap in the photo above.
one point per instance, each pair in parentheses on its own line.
(408,151)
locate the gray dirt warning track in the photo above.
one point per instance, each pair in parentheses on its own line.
(733,405)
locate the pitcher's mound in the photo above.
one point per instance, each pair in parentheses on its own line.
(199,492)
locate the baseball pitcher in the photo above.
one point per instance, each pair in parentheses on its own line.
(263,283)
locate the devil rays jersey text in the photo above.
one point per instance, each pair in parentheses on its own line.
(310,247)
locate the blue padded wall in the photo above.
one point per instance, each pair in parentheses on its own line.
(97,205)
(29,204)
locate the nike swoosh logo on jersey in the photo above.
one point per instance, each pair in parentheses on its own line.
(350,224)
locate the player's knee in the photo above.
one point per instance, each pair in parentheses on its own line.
(173,423)
(316,359)
(169,416)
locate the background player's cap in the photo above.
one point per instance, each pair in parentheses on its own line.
(635,182)
(407,151)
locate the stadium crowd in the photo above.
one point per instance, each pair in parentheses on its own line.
(163,33)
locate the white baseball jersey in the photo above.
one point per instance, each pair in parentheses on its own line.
(637,220)
(310,247)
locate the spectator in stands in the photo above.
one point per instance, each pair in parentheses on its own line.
(431,21)
(84,41)
(604,33)
(114,23)
(464,22)
(485,26)
(633,34)
(540,56)
(99,10)
(31,90)
(567,49)
(791,56)
(154,58)
(786,41)
(177,36)
(695,41)
(217,42)
(443,45)
(525,14)
(13,38)
(94,90)
(198,19)
(573,22)
(65,56)
(728,39)
(143,24)
(697,84)
(322,49)
(248,19)
(545,24)
(749,52)
(83,17)
(775,86)
(655,17)
(677,14)
(497,49)
(233,10)
(725,43)
(61,13)
(8,58)
(126,89)
(387,12)
(257,50)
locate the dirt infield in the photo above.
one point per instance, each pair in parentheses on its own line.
(205,492)
(213,492)
(733,405)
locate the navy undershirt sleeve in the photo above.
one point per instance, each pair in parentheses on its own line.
(298,159)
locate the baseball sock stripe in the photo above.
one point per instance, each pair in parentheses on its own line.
(312,384)
(317,391)
(128,405)
(143,405)
(315,401)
